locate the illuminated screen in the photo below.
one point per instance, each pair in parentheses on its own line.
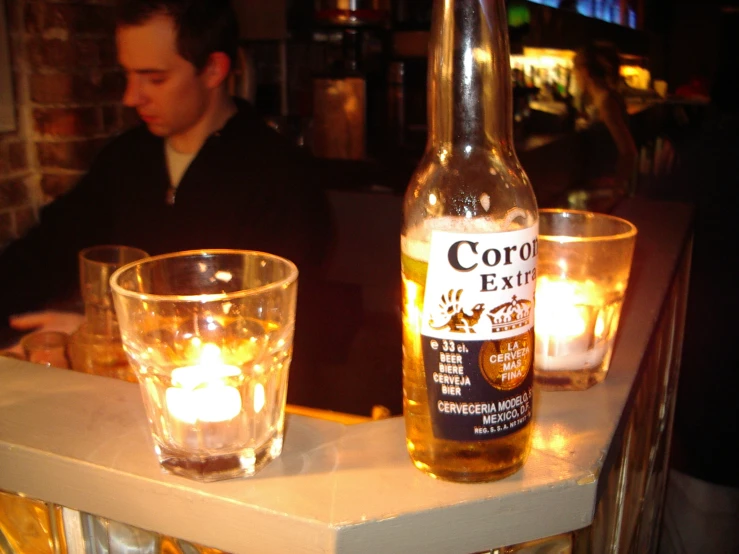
(606,10)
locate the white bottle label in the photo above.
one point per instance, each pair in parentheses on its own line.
(477,332)
(480,283)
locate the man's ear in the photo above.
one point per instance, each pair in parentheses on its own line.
(216,69)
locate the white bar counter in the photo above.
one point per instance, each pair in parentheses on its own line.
(82,441)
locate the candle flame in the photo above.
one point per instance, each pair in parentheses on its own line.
(557,313)
(201,393)
(212,403)
(210,354)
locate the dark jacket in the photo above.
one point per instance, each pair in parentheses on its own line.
(247,188)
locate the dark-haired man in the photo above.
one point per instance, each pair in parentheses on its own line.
(202,171)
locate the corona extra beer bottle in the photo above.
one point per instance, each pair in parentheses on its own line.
(468,255)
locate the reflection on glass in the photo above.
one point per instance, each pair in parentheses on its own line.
(103,536)
(552,439)
(27,525)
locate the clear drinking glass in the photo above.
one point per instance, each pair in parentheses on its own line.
(97,264)
(96,346)
(46,347)
(584,261)
(210,336)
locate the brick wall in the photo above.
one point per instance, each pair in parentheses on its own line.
(68,91)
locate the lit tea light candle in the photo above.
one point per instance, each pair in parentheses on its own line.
(201,398)
(208,399)
(567,336)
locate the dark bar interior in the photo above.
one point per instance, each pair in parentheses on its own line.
(344,83)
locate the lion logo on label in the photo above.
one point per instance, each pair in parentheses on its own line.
(456,319)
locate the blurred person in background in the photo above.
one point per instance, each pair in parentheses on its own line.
(202,170)
(596,72)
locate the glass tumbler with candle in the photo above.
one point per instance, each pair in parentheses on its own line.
(582,274)
(210,336)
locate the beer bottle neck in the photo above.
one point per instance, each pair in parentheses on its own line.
(469,84)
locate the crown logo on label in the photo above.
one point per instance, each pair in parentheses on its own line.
(511,315)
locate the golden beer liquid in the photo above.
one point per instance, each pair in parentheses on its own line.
(465,461)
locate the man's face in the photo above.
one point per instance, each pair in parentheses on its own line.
(166,90)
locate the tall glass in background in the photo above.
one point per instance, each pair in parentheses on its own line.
(96,346)
(210,336)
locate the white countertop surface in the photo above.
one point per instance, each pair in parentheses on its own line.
(82,441)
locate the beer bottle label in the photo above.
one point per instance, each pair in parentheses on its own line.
(478,332)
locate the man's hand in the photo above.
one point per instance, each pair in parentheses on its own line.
(66,322)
